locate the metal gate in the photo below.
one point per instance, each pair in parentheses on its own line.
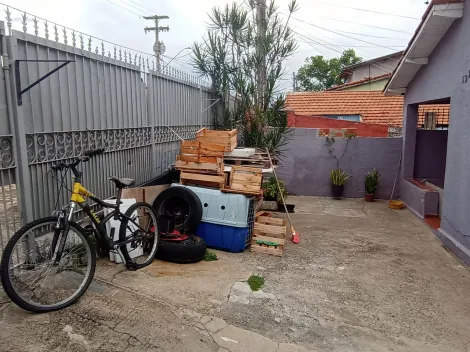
(110,97)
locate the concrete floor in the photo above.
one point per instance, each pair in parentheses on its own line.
(363,278)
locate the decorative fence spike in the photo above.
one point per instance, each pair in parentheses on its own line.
(74,39)
(125,56)
(115,52)
(89,43)
(65,35)
(148,65)
(96,50)
(36,26)
(153,65)
(56,33)
(140,60)
(135,59)
(109,53)
(81,41)
(102,48)
(120,54)
(8,18)
(46,30)
(24,22)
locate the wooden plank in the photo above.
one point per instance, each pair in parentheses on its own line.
(202,177)
(252,179)
(245,186)
(184,165)
(190,143)
(246,169)
(269,239)
(272,251)
(271,221)
(245,192)
(270,228)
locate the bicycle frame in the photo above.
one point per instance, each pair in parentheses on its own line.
(78,198)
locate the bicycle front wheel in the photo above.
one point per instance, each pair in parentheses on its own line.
(29,272)
(141,230)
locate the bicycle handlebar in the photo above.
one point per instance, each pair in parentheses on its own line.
(86,155)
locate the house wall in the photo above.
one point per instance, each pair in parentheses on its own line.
(306,165)
(441,78)
(430,156)
(374,69)
(362,129)
(377,85)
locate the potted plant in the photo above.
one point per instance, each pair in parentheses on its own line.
(372,182)
(338,179)
(271,193)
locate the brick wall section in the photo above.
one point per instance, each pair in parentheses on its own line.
(362,129)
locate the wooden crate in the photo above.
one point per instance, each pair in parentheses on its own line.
(197,157)
(189,178)
(245,180)
(269,236)
(226,138)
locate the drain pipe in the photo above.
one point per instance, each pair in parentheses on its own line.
(6,71)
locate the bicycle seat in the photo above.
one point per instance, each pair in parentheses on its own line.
(122,182)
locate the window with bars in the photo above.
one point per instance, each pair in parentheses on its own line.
(433,118)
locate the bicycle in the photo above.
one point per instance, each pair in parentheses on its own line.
(49,263)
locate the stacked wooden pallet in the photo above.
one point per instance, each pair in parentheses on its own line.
(269,236)
(201,164)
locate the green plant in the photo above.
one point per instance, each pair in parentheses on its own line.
(272,191)
(372,181)
(338,177)
(256,282)
(210,256)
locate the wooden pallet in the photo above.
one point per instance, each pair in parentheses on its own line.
(226,138)
(198,179)
(269,236)
(245,180)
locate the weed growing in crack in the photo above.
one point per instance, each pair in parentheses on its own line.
(256,282)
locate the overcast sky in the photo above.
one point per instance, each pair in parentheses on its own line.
(188,21)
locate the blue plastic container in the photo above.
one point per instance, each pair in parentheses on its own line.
(229,238)
(227,219)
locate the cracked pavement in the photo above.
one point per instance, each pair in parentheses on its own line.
(363,278)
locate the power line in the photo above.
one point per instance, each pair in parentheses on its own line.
(372,11)
(134,7)
(344,35)
(369,35)
(124,8)
(140,16)
(366,25)
(146,8)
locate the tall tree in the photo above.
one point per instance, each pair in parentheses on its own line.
(244,54)
(319,73)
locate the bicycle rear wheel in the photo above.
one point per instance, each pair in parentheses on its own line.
(143,238)
(31,278)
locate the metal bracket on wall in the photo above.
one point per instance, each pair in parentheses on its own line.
(19,91)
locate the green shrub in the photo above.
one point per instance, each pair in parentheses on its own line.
(272,191)
(210,256)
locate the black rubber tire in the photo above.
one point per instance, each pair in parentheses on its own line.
(123,232)
(191,250)
(7,286)
(189,202)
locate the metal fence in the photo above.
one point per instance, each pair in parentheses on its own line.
(110,97)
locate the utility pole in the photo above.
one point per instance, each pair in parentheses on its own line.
(158,47)
(294,82)
(261,34)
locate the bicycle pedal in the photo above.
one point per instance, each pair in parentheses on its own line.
(131,265)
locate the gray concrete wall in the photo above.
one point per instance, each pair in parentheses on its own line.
(306,166)
(430,156)
(441,78)
(372,70)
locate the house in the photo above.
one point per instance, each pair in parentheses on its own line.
(368,111)
(370,75)
(435,69)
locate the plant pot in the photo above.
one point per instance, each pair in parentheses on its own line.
(290,207)
(337,191)
(369,197)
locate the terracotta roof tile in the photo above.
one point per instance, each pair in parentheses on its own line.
(372,106)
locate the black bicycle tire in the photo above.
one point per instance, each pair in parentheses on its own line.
(5,277)
(123,230)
